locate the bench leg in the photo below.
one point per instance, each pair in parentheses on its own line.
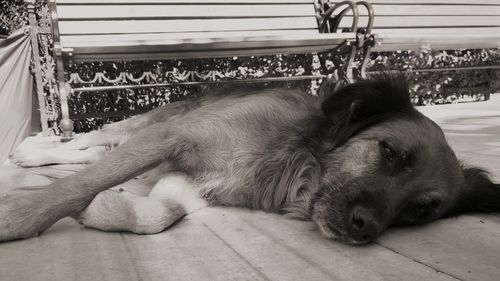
(66,123)
(370,41)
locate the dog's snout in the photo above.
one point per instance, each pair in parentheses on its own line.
(363,226)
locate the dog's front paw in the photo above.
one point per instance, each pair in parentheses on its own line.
(28,157)
(21,217)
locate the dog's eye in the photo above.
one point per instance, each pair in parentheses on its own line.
(425,209)
(387,151)
(422,212)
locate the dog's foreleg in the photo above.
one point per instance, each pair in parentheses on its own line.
(172,198)
(83,149)
(40,157)
(116,133)
(25,213)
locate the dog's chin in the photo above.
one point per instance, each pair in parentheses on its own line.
(328,230)
(322,215)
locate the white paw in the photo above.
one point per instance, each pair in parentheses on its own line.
(154,216)
(124,211)
(179,188)
(110,210)
(30,157)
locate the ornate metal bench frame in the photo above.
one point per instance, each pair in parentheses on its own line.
(45,31)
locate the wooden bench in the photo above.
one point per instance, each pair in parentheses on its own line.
(435,24)
(110,30)
(116,30)
(98,30)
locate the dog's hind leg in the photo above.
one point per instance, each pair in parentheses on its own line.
(172,198)
(25,213)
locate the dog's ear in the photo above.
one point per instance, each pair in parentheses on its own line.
(359,105)
(369,98)
(480,194)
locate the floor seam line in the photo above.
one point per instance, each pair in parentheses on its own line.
(237,253)
(420,262)
(132,261)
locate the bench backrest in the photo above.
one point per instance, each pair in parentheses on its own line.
(439,24)
(150,29)
(102,29)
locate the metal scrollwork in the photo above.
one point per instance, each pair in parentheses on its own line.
(177,75)
(43,65)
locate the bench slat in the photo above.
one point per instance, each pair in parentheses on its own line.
(161,55)
(414,41)
(70,39)
(178,1)
(152,26)
(216,43)
(182,11)
(433,2)
(437,2)
(427,10)
(235,46)
(463,31)
(451,45)
(250,10)
(426,21)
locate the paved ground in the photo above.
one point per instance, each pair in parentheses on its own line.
(234,244)
(473,130)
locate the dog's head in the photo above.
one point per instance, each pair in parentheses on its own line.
(386,164)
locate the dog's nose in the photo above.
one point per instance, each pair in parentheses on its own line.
(364,226)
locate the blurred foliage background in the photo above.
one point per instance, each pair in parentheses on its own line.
(427,87)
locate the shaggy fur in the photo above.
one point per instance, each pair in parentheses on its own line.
(355,162)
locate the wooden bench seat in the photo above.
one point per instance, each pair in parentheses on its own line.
(436,24)
(195,45)
(98,30)
(117,30)
(114,30)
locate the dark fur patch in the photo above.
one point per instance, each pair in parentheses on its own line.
(363,104)
(480,193)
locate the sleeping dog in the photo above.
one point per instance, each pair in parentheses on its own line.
(354,161)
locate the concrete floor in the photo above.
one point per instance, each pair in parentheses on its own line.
(235,244)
